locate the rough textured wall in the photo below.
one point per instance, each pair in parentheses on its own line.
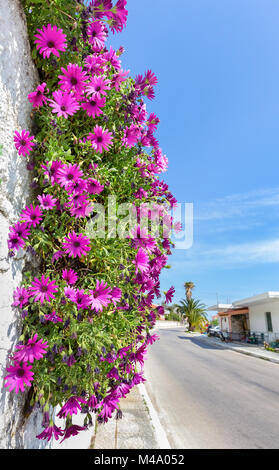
(17,78)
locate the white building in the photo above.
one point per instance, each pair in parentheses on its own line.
(257,315)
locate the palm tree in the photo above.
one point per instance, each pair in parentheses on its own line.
(194,311)
(189,286)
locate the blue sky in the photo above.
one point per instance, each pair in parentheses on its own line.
(218,102)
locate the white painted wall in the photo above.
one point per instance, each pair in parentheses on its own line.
(258,319)
(18,77)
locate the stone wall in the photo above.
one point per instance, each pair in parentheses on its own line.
(18,77)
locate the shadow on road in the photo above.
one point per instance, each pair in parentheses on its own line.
(201,343)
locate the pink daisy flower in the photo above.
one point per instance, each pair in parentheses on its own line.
(50,40)
(81,299)
(93,106)
(97,35)
(101,139)
(98,86)
(47,201)
(100,297)
(64,104)
(37,97)
(32,215)
(52,172)
(32,350)
(76,245)
(68,174)
(94,187)
(21,230)
(43,289)
(73,79)
(118,78)
(169,295)
(18,376)
(49,432)
(23,142)
(141,261)
(21,297)
(115,294)
(71,407)
(70,276)
(131,136)
(15,242)
(72,431)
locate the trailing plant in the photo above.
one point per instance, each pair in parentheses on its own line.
(88,309)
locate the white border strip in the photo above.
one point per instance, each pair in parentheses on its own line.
(159,430)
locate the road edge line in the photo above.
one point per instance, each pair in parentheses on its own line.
(160,433)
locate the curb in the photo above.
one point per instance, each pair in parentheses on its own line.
(155,421)
(245,351)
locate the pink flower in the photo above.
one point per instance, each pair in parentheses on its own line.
(76,245)
(70,276)
(94,187)
(32,350)
(68,174)
(15,242)
(118,78)
(131,136)
(50,40)
(93,106)
(98,86)
(115,294)
(73,79)
(18,376)
(43,289)
(100,297)
(32,215)
(169,294)
(71,407)
(64,104)
(141,261)
(49,432)
(21,230)
(72,431)
(37,97)
(81,299)
(101,139)
(21,297)
(47,202)
(23,142)
(52,172)
(97,34)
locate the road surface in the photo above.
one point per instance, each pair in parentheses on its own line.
(208,397)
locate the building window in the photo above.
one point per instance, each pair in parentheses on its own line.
(268,321)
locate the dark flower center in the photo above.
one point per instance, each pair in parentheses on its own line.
(39,93)
(100,139)
(33,217)
(73,81)
(93,103)
(44,289)
(63,108)
(70,176)
(20,372)
(76,244)
(94,34)
(22,142)
(50,44)
(98,88)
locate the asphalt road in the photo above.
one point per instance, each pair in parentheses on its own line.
(212,398)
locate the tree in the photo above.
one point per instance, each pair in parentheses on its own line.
(189,286)
(194,312)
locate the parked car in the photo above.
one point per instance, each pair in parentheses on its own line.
(214,330)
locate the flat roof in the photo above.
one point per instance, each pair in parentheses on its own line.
(220,307)
(257,299)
